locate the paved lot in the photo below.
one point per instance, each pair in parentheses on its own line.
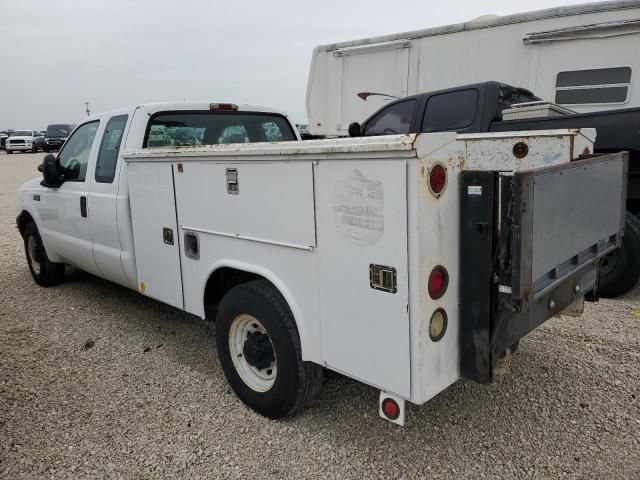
(99,382)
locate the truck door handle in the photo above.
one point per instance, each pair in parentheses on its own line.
(83,206)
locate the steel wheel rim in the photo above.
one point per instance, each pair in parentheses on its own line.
(609,263)
(259,380)
(32,247)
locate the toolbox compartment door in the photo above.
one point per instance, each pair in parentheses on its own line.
(531,244)
(155,233)
(362,234)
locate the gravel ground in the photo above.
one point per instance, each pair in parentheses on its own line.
(97,381)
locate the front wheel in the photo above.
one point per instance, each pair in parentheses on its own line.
(259,350)
(9,152)
(620,270)
(45,272)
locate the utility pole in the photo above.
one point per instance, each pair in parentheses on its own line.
(86,105)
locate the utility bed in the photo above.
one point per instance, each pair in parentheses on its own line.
(350,232)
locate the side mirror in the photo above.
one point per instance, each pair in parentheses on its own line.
(50,173)
(355,130)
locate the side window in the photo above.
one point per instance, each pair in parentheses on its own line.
(74,157)
(109,149)
(395,119)
(234,134)
(450,112)
(272,132)
(600,85)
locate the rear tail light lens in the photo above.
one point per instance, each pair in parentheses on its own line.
(438,325)
(438,282)
(437,179)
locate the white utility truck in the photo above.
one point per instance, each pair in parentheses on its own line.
(405,262)
(584,56)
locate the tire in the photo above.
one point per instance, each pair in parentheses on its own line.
(9,152)
(34,149)
(45,272)
(620,270)
(275,386)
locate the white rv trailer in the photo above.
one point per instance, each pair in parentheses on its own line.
(581,56)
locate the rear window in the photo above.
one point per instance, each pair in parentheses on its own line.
(450,111)
(214,128)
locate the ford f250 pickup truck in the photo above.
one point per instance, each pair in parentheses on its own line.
(479,108)
(405,262)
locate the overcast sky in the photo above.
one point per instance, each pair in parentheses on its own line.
(56,55)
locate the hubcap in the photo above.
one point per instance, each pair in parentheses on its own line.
(32,250)
(252,353)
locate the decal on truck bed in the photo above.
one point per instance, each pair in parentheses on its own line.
(358,207)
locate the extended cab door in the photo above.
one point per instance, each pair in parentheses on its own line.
(65,225)
(103,199)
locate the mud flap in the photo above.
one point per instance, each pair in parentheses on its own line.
(530,246)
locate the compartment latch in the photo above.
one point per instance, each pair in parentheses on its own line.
(383,278)
(232,181)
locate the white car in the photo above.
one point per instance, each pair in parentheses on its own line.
(23,141)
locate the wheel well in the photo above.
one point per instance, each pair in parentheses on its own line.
(22,221)
(219,283)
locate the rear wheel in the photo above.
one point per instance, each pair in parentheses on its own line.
(45,272)
(259,350)
(620,270)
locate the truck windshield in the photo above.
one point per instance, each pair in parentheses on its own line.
(58,131)
(22,133)
(213,128)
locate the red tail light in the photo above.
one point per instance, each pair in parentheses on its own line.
(390,408)
(438,282)
(437,179)
(223,106)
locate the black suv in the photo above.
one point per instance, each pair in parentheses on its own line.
(56,135)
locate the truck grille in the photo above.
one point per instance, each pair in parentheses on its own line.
(16,142)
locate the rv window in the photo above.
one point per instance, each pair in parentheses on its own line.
(602,85)
(395,119)
(450,111)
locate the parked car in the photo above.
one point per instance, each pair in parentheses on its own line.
(3,139)
(158,138)
(24,141)
(55,136)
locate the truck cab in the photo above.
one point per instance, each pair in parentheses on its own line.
(81,211)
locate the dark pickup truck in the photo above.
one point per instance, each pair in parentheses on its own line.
(479,108)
